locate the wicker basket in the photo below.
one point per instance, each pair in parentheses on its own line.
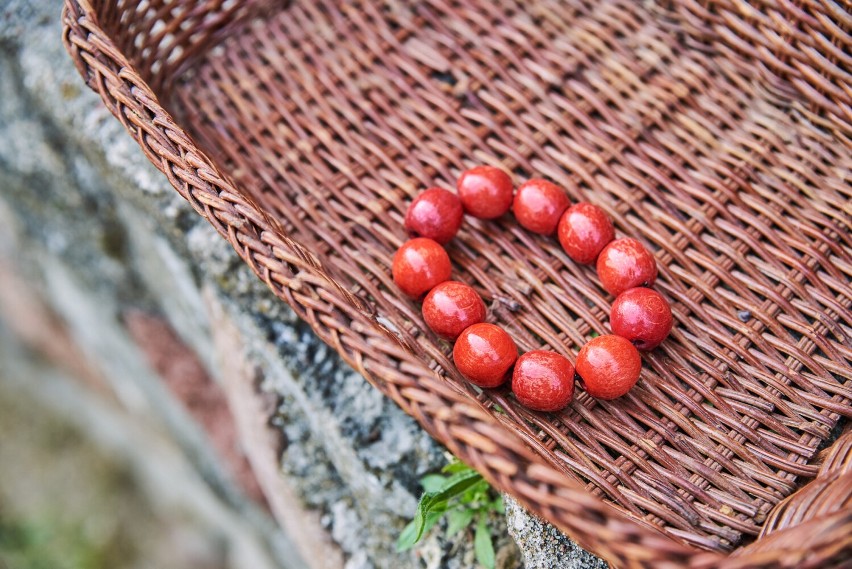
(718,133)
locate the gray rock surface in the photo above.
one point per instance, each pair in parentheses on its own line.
(543,546)
(99,231)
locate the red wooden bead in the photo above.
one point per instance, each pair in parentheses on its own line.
(538,206)
(451,307)
(584,230)
(624,264)
(485,192)
(642,316)
(543,381)
(484,353)
(608,366)
(419,265)
(435,214)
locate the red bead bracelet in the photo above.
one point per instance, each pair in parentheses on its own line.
(607,366)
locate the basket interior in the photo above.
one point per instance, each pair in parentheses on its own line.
(333,115)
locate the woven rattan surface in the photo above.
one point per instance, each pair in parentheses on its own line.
(718,133)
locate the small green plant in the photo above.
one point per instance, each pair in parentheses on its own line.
(461,494)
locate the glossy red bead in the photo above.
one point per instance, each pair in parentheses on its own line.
(485,192)
(484,354)
(642,316)
(538,205)
(608,366)
(435,214)
(419,265)
(624,264)
(543,381)
(451,307)
(584,230)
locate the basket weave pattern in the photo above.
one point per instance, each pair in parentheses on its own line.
(800,48)
(301,132)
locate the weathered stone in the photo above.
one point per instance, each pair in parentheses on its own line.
(542,545)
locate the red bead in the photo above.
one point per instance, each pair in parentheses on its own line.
(419,265)
(484,353)
(608,366)
(435,214)
(584,230)
(624,264)
(451,307)
(485,192)
(538,206)
(543,381)
(642,316)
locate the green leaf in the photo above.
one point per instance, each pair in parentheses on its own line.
(498,506)
(457,484)
(455,467)
(408,537)
(432,519)
(464,496)
(432,482)
(478,492)
(428,512)
(457,520)
(437,501)
(482,545)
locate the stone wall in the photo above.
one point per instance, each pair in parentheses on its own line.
(140,328)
